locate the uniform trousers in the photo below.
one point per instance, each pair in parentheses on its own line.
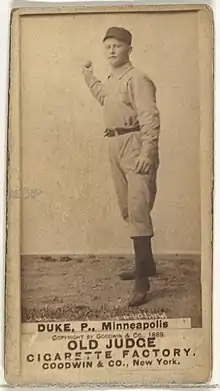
(135,192)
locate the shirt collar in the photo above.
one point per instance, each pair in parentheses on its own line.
(121,71)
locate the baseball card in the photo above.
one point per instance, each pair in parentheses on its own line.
(109,196)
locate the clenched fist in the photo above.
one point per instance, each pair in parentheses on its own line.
(87,68)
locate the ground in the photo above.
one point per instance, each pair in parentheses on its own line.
(56,288)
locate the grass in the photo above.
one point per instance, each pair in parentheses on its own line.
(68,288)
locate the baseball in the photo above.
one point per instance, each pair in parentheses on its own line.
(88,64)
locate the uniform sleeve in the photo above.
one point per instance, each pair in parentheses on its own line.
(143,96)
(97,88)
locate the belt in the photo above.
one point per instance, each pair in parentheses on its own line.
(119,131)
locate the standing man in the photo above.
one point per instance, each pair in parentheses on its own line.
(132,126)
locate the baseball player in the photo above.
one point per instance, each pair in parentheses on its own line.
(132,127)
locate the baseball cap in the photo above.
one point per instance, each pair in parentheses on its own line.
(119,33)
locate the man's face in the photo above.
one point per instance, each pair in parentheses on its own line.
(117,52)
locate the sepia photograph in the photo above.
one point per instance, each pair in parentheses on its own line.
(110,171)
(110,178)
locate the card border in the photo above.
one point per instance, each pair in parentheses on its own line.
(13,224)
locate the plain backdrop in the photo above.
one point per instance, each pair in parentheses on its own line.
(4,19)
(64,153)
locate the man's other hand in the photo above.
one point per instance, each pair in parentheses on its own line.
(143,165)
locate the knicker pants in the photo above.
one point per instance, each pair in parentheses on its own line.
(135,192)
